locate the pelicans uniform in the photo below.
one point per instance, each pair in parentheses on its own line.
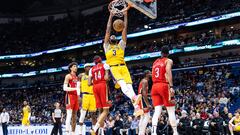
(100,87)
(142,103)
(71,98)
(160,89)
(26,114)
(88,99)
(236,121)
(115,59)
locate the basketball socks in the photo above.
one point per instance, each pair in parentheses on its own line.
(68,120)
(156,115)
(172,119)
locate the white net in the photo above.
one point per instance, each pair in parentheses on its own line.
(117,7)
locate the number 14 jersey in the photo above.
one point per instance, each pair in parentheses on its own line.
(97,72)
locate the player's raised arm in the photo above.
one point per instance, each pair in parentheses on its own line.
(65,84)
(124,32)
(108,30)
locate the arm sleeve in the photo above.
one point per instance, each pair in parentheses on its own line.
(78,88)
(106,66)
(105,46)
(90,72)
(122,44)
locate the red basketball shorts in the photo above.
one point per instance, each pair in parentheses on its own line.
(71,101)
(161,95)
(100,91)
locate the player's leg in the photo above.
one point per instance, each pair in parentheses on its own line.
(83,111)
(74,121)
(92,109)
(144,121)
(172,119)
(68,120)
(170,107)
(69,112)
(135,98)
(81,119)
(157,103)
(230,129)
(127,78)
(101,96)
(117,75)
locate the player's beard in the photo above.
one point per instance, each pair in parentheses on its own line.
(113,41)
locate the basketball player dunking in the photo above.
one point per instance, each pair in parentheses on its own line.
(162,90)
(144,104)
(71,86)
(114,52)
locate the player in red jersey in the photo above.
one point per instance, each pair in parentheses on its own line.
(72,87)
(98,76)
(144,104)
(162,90)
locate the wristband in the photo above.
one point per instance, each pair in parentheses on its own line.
(171,86)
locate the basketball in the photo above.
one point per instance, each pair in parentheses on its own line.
(118,25)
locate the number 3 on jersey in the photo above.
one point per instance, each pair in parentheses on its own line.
(97,75)
(157,72)
(114,52)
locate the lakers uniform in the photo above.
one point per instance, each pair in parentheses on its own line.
(237,122)
(26,114)
(88,99)
(115,59)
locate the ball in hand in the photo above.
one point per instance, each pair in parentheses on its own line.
(118,25)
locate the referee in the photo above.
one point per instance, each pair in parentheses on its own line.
(4,120)
(57,117)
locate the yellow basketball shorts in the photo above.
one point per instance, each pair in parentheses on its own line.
(25,122)
(89,103)
(121,73)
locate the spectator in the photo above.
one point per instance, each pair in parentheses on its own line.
(134,126)
(216,125)
(117,125)
(184,126)
(110,125)
(197,125)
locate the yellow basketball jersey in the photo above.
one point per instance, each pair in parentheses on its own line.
(237,121)
(115,55)
(84,84)
(26,111)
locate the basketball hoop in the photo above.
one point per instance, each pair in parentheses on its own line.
(117,7)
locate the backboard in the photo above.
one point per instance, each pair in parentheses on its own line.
(148,8)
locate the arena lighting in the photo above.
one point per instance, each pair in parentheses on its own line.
(133,35)
(132,58)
